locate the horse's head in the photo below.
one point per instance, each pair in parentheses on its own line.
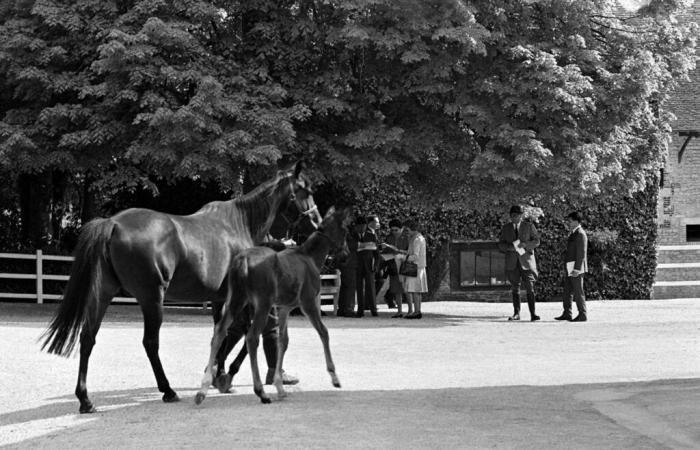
(301,196)
(335,227)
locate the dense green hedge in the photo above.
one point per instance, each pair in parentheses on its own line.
(622,233)
(622,237)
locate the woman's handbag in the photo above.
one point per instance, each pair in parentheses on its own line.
(409,269)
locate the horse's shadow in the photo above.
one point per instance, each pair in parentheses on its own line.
(129,399)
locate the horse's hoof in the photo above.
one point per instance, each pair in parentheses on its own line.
(199,398)
(88,408)
(265,400)
(336,384)
(170,397)
(223,383)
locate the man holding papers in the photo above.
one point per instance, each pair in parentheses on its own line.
(518,241)
(576,261)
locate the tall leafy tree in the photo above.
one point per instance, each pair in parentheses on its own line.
(454,100)
(469,101)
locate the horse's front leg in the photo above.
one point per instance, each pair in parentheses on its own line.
(252,341)
(216,340)
(313,311)
(282,344)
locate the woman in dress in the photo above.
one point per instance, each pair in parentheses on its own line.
(414,287)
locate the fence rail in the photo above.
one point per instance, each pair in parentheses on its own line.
(329,291)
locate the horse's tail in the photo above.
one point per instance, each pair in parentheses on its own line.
(83,287)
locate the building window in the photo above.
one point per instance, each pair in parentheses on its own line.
(477,265)
(661,178)
(692,233)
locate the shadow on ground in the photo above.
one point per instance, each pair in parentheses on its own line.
(32,313)
(647,415)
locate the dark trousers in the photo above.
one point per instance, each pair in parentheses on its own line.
(348,286)
(573,287)
(527,277)
(365,288)
(239,327)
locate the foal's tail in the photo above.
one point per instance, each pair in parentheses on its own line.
(83,286)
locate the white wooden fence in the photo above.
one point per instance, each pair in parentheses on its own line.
(329,291)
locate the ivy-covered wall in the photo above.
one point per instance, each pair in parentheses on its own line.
(621,231)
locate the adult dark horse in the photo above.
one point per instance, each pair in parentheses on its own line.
(261,277)
(156,256)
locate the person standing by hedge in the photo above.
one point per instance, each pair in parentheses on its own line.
(368,263)
(576,260)
(349,271)
(518,241)
(396,244)
(416,286)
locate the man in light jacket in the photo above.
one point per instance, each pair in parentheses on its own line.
(518,241)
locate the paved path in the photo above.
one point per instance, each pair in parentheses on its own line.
(462,377)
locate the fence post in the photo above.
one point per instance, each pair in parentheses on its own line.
(39,281)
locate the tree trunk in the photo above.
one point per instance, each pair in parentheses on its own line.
(88,205)
(35,191)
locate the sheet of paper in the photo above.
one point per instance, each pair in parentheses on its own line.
(520,250)
(362,246)
(570,267)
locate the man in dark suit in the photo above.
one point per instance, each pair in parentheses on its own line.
(348,271)
(518,241)
(368,263)
(576,260)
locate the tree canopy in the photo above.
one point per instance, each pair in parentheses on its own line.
(456,101)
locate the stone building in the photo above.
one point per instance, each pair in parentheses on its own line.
(678,211)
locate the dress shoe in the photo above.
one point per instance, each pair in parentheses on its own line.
(359,314)
(579,318)
(534,318)
(375,313)
(391,305)
(286,378)
(514,317)
(563,317)
(397,316)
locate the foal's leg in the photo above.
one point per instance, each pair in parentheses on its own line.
(152,308)
(282,344)
(252,340)
(313,312)
(216,340)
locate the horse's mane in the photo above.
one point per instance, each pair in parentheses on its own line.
(255,211)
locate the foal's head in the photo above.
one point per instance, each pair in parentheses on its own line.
(335,227)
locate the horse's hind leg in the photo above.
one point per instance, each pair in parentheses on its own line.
(313,312)
(252,341)
(152,309)
(95,314)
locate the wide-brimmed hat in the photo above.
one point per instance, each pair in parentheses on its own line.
(516,209)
